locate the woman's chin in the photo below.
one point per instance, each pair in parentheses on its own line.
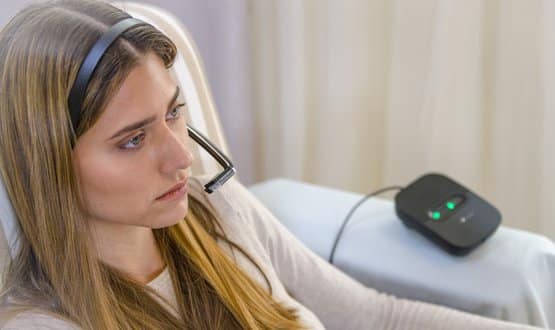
(167,220)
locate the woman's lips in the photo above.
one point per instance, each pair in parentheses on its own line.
(175,192)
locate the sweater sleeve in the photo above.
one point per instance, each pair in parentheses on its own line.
(338,300)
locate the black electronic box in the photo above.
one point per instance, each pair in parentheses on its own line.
(447,213)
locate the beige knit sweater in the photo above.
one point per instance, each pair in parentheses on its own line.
(322,295)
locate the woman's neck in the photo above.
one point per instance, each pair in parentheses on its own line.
(130,249)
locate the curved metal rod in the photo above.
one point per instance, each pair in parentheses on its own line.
(229,169)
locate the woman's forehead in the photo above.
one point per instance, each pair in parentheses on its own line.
(145,92)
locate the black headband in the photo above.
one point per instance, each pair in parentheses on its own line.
(77,93)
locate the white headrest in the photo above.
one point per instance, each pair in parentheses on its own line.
(9,227)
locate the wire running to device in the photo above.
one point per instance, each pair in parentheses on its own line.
(377,192)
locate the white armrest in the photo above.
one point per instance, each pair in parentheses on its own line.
(511,276)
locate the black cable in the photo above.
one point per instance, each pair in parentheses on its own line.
(377,192)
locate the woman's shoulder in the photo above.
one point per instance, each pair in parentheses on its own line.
(241,215)
(33,319)
(231,198)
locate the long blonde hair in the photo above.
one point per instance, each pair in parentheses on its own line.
(56,269)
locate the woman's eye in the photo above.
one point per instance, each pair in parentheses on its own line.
(175,113)
(134,142)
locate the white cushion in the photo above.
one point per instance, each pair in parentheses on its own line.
(511,276)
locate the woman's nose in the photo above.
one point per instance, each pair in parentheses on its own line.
(176,154)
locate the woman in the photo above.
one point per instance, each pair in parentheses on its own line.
(111,238)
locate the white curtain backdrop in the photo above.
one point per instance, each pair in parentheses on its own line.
(360,94)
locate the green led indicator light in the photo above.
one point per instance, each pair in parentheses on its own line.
(450,205)
(436,215)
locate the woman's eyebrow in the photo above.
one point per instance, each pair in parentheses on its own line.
(146,121)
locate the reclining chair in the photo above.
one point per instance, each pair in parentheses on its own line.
(511,276)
